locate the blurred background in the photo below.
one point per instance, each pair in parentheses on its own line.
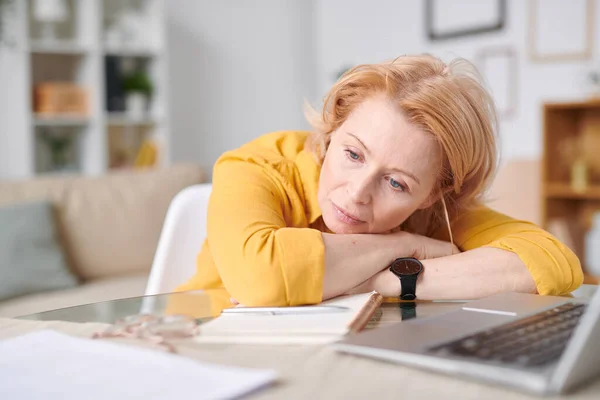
(109,107)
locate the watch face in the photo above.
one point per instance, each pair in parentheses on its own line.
(406,266)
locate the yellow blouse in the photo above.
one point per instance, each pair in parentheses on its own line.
(264,227)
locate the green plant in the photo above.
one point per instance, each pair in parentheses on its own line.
(59,149)
(137,81)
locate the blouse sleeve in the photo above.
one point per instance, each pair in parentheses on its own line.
(261,260)
(555,269)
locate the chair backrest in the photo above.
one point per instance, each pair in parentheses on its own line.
(181,239)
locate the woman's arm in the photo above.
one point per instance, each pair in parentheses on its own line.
(470,275)
(353,259)
(500,254)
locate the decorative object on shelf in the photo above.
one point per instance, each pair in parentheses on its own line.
(147,154)
(499,68)
(138,90)
(575,40)
(576,158)
(59,145)
(592,247)
(48,13)
(7,18)
(474,19)
(579,175)
(60,98)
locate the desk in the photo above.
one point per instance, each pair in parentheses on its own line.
(313,372)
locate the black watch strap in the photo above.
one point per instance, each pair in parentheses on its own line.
(408,310)
(409,287)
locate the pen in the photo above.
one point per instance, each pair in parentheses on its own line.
(285,310)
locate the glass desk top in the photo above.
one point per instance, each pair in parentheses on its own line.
(205,305)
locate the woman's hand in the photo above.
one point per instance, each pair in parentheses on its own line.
(423,247)
(419,247)
(352,259)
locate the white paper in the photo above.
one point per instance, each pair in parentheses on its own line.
(284,329)
(51,365)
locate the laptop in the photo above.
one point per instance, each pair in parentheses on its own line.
(543,345)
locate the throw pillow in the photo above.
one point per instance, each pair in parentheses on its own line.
(31,257)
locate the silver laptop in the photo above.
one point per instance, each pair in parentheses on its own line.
(541,344)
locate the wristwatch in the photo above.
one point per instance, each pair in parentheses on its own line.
(407,269)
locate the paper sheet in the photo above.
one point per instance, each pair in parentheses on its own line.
(51,365)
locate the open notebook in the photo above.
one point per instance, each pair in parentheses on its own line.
(301,328)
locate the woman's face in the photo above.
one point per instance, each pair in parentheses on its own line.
(377,171)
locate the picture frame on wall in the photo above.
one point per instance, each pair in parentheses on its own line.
(572,42)
(499,69)
(448,19)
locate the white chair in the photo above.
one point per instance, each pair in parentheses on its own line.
(181,238)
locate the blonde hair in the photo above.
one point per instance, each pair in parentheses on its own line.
(447,101)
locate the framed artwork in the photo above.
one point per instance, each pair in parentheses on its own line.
(573,41)
(499,68)
(447,19)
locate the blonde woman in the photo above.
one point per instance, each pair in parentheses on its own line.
(384,195)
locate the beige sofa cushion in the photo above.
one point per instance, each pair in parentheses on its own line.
(109,224)
(92,292)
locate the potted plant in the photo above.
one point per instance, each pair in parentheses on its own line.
(59,146)
(138,90)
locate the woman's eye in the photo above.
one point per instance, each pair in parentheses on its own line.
(352,155)
(396,185)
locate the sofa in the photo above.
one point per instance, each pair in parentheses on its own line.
(108,227)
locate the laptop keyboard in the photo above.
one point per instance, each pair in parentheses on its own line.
(532,341)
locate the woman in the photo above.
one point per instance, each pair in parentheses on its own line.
(396,168)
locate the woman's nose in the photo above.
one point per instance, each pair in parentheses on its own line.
(358,189)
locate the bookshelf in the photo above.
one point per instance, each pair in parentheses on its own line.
(571,172)
(95,45)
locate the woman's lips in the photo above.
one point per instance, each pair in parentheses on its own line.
(345,216)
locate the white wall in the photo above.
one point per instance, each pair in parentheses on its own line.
(356,31)
(237,69)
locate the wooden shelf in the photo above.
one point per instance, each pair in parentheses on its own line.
(564,191)
(49,121)
(131,51)
(592,103)
(63,47)
(122,119)
(571,132)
